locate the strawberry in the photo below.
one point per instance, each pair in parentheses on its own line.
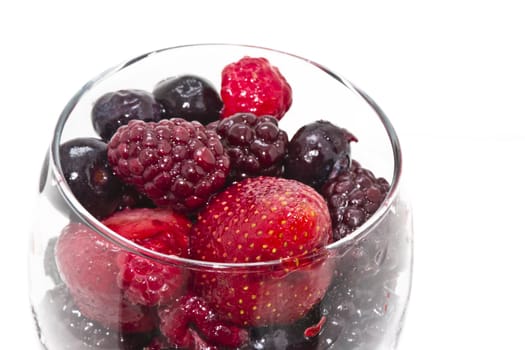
(137,224)
(88,266)
(143,280)
(113,286)
(253,85)
(256,220)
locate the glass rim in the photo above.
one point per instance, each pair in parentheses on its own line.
(114,237)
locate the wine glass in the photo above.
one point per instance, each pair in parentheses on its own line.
(364,276)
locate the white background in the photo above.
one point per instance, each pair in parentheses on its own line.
(450,75)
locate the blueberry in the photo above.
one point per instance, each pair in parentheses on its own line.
(115,109)
(189,97)
(317,152)
(88,174)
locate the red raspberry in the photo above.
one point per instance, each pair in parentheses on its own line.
(261,219)
(88,266)
(143,280)
(174,162)
(175,321)
(254,85)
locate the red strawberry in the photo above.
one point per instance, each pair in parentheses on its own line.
(113,286)
(88,266)
(254,85)
(261,219)
(145,223)
(143,280)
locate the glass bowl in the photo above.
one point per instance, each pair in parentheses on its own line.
(364,278)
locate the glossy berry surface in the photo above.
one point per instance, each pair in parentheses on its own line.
(114,109)
(318,151)
(256,145)
(144,281)
(88,266)
(189,97)
(253,85)
(88,174)
(263,219)
(176,163)
(69,325)
(353,196)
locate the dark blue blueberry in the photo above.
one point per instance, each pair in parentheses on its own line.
(88,174)
(114,109)
(318,152)
(189,97)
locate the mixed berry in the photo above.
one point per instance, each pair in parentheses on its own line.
(187,171)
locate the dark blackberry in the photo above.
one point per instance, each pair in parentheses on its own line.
(131,198)
(71,330)
(256,145)
(353,196)
(88,174)
(114,109)
(189,97)
(176,163)
(317,152)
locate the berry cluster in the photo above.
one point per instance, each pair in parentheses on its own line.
(185,171)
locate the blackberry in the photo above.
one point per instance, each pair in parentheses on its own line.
(353,196)
(114,109)
(71,327)
(176,163)
(317,152)
(131,198)
(189,97)
(88,174)
(256,146)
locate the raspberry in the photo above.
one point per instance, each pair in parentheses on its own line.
(174,162)
(353,197)
(254,85)
(262,219)
(175,323)
(144,281)
(255,145)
